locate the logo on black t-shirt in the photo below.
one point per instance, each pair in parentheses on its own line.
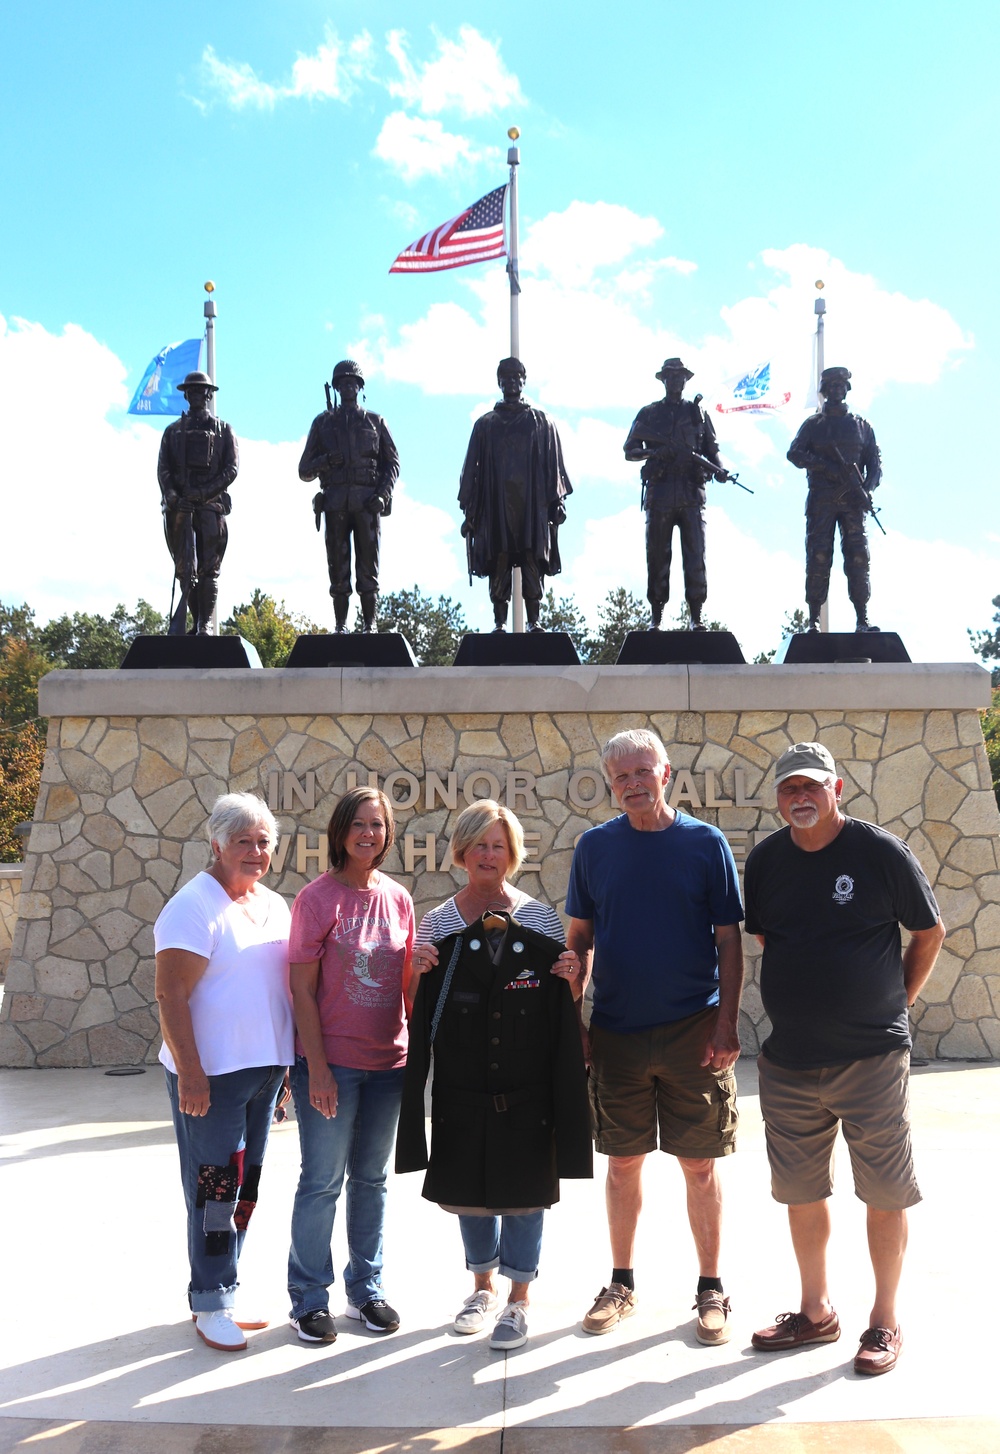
(843,889)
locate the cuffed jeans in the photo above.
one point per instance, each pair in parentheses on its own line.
(221,1155)
(512,1243)
(356,1142)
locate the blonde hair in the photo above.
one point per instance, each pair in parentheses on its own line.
(623,744)
(475,822)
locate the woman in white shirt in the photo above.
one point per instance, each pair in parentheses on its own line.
(226,1017)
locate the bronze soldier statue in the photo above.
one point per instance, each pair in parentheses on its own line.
(843,465)
(676,440)
(512,493)
(350,451)
(199,459)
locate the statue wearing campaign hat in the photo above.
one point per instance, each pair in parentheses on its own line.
(676,441)
(838,452)
(350,451)
(199,459)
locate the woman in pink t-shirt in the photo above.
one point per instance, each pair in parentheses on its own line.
(350,952)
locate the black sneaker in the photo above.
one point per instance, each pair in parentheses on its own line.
(376,1315)
(315,1327)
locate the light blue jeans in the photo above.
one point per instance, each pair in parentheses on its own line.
(512,1243)
(357,1143)
(221,1155)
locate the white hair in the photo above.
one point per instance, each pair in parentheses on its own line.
(623,744)
(236,812)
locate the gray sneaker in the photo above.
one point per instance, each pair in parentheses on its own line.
(511,1328)
(472,1316)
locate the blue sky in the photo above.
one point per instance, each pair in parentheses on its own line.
(686,175)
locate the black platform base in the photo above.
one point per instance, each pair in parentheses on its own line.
(680,648)
(377,648)
(520,648)
(824,648)
(172,653)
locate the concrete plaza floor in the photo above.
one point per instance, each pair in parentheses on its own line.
(98,1353)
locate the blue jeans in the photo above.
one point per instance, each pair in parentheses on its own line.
(512,1243)
(356,1142)
(221,1155)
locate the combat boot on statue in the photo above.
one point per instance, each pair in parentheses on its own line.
(206,593)
(369,604)
(500,615)
(863,622)
(815,607)
(531,610)
(696,607)
(655,614)
(341,605)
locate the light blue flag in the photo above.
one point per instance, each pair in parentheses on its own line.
(157,393)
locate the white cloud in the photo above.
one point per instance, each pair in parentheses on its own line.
(466,76)
(571,245)
(83,528)
(331,72)
(415,147)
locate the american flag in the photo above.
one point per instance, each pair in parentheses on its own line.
(473,236)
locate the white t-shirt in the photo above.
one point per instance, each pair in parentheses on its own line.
(241,1008)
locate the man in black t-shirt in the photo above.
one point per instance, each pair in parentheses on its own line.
(826,897)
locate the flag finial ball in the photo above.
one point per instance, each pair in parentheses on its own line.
(513,133)
(210,286)
(820,284)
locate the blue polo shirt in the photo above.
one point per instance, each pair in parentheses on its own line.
(655,900)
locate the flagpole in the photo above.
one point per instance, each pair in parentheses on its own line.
(513,161)
(210,370)
(819,308)
(210,340)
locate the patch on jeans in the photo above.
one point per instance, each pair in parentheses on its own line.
(220,1183)
(248,1198)
(219,1217)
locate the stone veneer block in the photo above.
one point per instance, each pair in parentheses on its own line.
(135,760)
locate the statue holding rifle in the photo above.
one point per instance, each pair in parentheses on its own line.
(676,441)
(837,449)
(351,452)
(199,460)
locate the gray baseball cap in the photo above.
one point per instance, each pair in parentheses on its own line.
(805,759)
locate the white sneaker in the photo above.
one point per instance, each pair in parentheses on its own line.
(472,1317)
(219,1330)
(511,1328)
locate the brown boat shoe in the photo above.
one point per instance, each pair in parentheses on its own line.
(880,1347)
(713,1317)
(794,1330)
(611,1306)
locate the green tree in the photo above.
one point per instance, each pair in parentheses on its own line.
(620,613)
(21,669)
(88,642)
(17,621)
(991,735)
(269,626)
(21,753)
(565,615)
(434,629)
(986,644)
(794,622)
(682,621)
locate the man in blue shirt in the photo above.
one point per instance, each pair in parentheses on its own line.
(655,912)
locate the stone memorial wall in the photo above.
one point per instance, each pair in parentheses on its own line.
(136,760)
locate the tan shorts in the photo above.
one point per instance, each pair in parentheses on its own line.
(870,1099)
(652,1081)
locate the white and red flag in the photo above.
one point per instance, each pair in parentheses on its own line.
(755,392)
(472,237)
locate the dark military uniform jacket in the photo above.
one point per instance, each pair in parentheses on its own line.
(509,1098)
(199,459)
(672,483)
(822,438)
(361,440)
